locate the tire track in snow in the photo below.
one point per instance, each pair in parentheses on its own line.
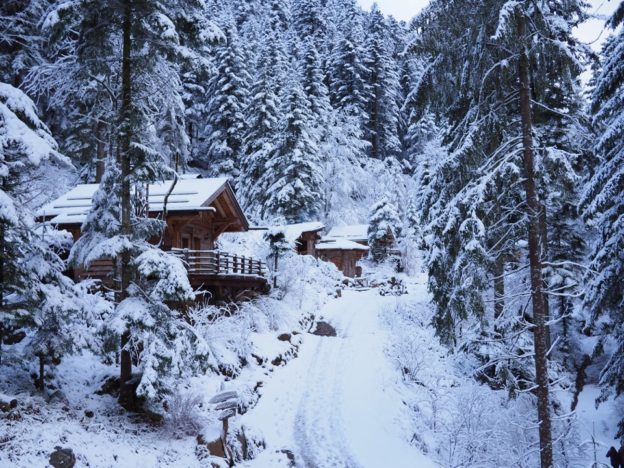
(318,429)
(338,404)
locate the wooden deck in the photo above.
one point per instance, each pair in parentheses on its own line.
(221,274)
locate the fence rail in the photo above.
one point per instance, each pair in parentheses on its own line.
(216,262)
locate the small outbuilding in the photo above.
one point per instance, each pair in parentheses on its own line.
(343,253)
(357,233)
(304,236)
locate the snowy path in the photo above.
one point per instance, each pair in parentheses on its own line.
(338,404)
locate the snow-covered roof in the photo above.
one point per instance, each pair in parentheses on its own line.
(189,194)
(294,231)
(340,244)
(354,232)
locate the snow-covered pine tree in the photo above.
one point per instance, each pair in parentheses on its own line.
(384,228)
(228,92)
(76,78)
(147,37)
(34,292)
(488,162)
(20,40)
(348,87)
(342,148)
(314,84)
(261,132)
(309,20)
(603,205)
(293,175)
(382,127)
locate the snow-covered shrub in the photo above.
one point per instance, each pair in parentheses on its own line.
(167,348)
(458,421)
(303,276)
(184,415)
(226,335)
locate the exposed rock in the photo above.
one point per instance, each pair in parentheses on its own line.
(62,458)
(284,337)
(258,359)
(290,456)
(277,361)
(110,386)
(324,329)
(58,397)
(148,417)
(14,337)
(89,413)
(5,407)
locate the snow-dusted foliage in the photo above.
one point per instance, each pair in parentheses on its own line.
(293,177)
(456,421)
(384,227)
(603,202)
(34,292)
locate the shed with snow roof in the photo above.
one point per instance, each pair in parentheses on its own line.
(303,236)
(343,253)
(354,232)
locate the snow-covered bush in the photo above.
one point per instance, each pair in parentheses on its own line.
(166,347)
(458,421)
(184,416)
(303,276)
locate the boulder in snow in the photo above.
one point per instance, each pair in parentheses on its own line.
(62,458)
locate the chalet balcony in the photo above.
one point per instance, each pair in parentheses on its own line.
(223,275)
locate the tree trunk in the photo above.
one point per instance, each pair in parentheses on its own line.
(537,296)
(499,289)
(101,155)
(2,256)
(543,220)
(275,271)
(125,392)
(41,379)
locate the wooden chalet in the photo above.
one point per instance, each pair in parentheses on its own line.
(198,212)
(343,253)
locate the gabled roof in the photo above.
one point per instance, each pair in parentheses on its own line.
(189,194)
(295,231)
(353,232)
(340,244)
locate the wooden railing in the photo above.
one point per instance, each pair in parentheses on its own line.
(216,262)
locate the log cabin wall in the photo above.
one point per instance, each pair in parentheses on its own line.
(306,244)
(345,260)
(195,231)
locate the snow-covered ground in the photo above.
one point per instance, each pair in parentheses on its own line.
(382,393)
(340,402)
